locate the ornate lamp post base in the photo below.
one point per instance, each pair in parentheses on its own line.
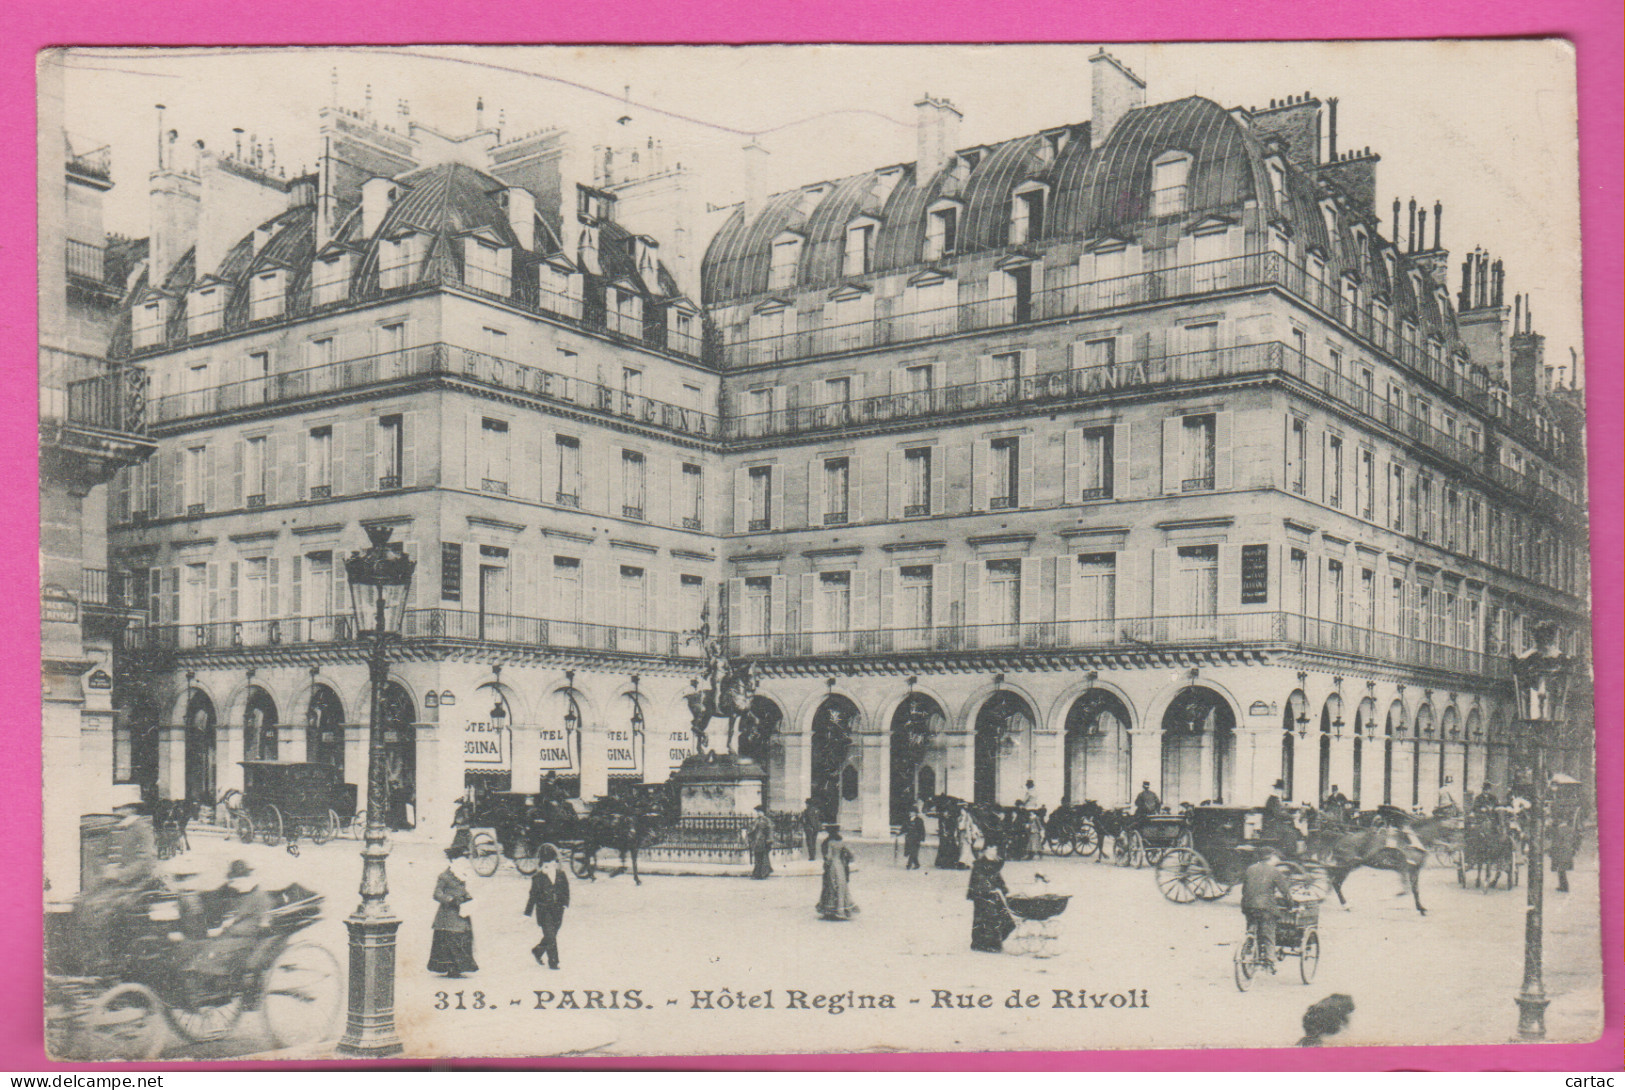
(1532,1017)
(370,1029)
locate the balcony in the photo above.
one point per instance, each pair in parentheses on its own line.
(419,624)
(88,392)
(1284,631)
(428,361)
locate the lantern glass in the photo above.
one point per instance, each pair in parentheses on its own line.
(380,579)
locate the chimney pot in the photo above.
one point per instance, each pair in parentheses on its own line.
(1114,91)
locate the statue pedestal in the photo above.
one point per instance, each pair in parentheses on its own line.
(718,795)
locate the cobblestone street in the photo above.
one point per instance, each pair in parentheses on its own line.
(1448,978)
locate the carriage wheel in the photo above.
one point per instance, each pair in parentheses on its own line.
(206,1023)
(525,860)
(1309,955)
(300,995)
(1086,840)
(1444,853)
(325,829)
(581,864)
(1182,874)
(1130,849)
(484,854)
(270,826)
(125,1023)
(1245,961)
(244,826)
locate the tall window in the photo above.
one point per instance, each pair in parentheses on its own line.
(1197,451)
(758,605)
(691,501)
(838,400)
(1100,352)
(692,598)
(1006,469)
(319,461)
(1397,614)
(835,601)
(1199,580)
(914,597)
(253,606)
(1299,581)
(451,571)
(761,497)
(567,588)
(568,450)
(1424,506)
(941,233)
(192,486)
(1027,216)
(860,241)
(1368,599)
(254,471)
(633,482)
(1365,483)
(494,436)
(631,390)
(1004,594)
(1333,608)
(1097,587)
(1334,470)
(837,481)
(1396,498)
(1097,464)
(391,450)
(1452,519)
(1169,175)
(917,482)
(782,272)
(1297,455)
(634,605)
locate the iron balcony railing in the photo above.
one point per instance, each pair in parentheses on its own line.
(86,260)
(424,624)
(90,392)
(1273,629)
(1267,269)
(111,589)
(424,361)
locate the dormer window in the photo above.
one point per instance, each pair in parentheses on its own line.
(204,308)
(147,323)
(941,231)
(885,182)
(266,295)
(682,329)
(860,247)
(1027,209)
(627,316)
(593,206)
(1328,215)
(1388,264)
(1360,239)
(1277,173)
(1054,144)
(330,279)
(1415,278)
(786,257)
(809,200)
(643,256)
(398,259)
(487,265)
(1170,177)
(560,288)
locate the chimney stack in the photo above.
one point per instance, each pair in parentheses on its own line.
(1396,222)
(1422,227)
(936,136)
(1113,92)
(377,194)
(521,207)
(1331,129)
(1411,245)
(755,183)
(1438,218)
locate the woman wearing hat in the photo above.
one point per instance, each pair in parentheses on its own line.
(452,951)
(549,897)
(835,899)
(760,838)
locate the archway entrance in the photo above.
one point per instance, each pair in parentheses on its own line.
(400,757)
(833,726)
(200,749)
(916,742)
(1365,722)
(1424,756)
(1098,753)
(1198,748)
(259,726)
(135,747)
(1393,728)
(1331,718)
(1004,737)
(324,728)
(761,738)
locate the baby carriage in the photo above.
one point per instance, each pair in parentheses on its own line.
(1038,925)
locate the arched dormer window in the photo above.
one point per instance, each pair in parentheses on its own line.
(1028,208)
(1328,215)
(941,230)
(487,263)
(330,278)
(266,294)
(1170,181)
(205,305)
(783,261)
(859,258)
(147,322)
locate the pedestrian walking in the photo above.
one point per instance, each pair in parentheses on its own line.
(947,834)
(990,921)
(1326,1018)
(760,838)
(452,951)
(811,822)
(835,900)
(913,837)
(549,897)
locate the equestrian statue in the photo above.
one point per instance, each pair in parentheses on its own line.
(730,691)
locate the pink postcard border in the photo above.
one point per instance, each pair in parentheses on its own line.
(1595,29)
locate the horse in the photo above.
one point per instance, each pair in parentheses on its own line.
(730,697)
(1489,846)
(1383,848)
(612,826)
(1107,823)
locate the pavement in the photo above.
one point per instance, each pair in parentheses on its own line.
(686,965)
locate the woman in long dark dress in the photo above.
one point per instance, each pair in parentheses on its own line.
(760,838)
(947,835)
(835,899)
(990,922)
(452,951)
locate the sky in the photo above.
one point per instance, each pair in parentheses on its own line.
(1486,127)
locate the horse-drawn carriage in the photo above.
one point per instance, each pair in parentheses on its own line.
(286,800)
(123,964)
(515,826)
(1207,851)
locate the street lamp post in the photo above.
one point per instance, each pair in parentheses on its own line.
(379,577)
(1542,679)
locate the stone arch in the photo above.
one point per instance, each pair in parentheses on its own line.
(1157,707)
(563,714)
(261,740)
(200,726)
(918,726)
(398,721)
(1198,759)
(835,724)
(763,741)
(1393,733)
(1061,706)
(324,726)
(1424,755)
(971,709)
(1097,753)
(1002,747)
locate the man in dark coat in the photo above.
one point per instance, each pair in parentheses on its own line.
(810,824)
(549,897)
(1146,803)
(913,837)
(1264,892)
(1485,801)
